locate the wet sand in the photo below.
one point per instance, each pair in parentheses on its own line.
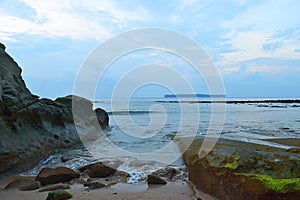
(172,190)
(184,142)
(286,141)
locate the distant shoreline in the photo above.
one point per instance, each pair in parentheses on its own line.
(194,96)
(285,101)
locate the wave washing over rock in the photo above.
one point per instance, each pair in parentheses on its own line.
(30,127)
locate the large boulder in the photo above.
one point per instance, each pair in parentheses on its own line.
(98,170)
(239,170)
(30,126)
(57,175)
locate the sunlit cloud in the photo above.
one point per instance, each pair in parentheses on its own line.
(73,19)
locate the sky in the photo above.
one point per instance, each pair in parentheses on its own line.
(255,44)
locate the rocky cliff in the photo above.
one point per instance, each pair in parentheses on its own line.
(30,126)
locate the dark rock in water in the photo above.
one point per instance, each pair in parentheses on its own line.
(153,179)
(239,170)
(120,176)
(59,195)
(102,117)
(65,159)
(87,168)
(100,170)
(57,175)
(30,127)
(55,187)
(24,184)
(95,185)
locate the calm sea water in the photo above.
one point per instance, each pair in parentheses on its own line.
(142,126)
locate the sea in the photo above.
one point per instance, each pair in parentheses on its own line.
(143,131)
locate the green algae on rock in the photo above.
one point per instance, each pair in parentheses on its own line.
(240,170)
(233,164)
(59,195)
(278,185)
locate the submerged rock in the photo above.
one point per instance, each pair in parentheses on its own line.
(30,126)
(238,170)
(59,195)
(57,175)
(153,179)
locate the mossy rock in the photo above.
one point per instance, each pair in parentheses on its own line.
(294,150)
(277,185)
(59,195)
(233,162)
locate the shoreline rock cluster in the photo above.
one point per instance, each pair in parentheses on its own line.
(240,170)
(92,176)
(31,127)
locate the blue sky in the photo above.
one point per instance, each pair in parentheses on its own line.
(254,44)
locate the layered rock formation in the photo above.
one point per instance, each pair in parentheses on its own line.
(240,170)
(30,126)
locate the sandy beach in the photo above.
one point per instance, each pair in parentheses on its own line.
(172,190)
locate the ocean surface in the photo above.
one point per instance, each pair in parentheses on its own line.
(141,139)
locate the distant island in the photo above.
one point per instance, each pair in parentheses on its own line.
(194,95)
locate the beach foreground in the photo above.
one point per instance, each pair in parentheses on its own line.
(172,190)
(232,170)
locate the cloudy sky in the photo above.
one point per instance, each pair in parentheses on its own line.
(254,44)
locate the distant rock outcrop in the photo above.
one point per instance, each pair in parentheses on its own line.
(30,127)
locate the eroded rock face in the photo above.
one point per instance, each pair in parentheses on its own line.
(238,170)
(30,127)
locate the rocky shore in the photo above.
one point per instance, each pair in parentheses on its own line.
(30,127)
(94,181)
(240,170)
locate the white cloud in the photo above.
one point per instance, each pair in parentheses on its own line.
(196,5)
(258,26)
(229,70)
(73,19)
(268,69)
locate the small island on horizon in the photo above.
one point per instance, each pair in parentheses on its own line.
(194,95)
